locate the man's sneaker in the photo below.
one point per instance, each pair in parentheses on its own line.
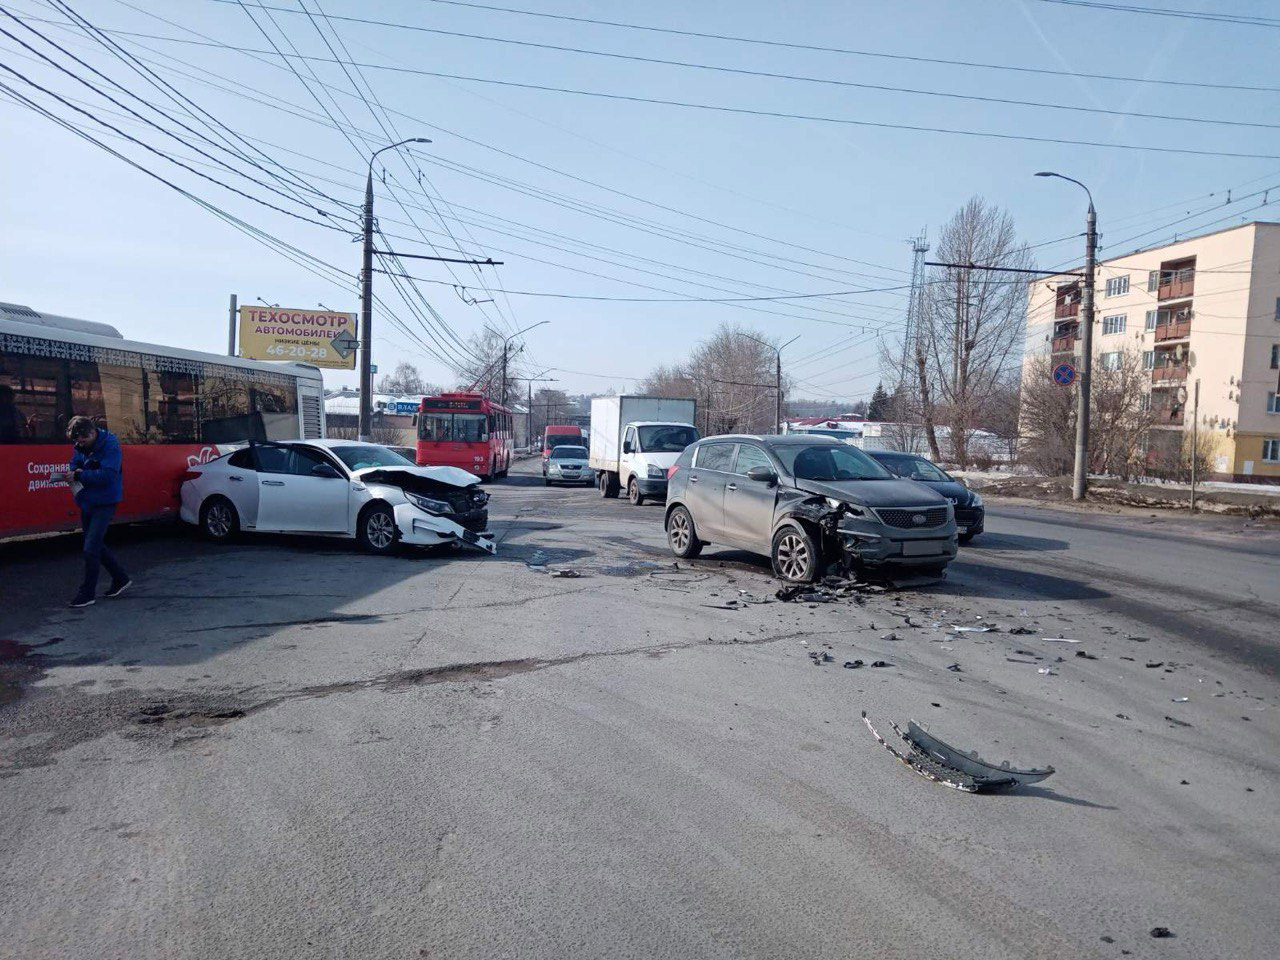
(118,588)
(82,600)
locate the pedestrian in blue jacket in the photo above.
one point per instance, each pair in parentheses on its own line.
(98,482)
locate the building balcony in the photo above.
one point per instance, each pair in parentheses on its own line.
(1168,372)
(1064,344)
(1176,280)
(1167,415)
(1066,309)
(1173,330)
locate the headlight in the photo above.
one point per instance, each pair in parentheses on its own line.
(429,505)
(657,473)
(976,500)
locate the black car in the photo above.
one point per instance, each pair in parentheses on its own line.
(970,514)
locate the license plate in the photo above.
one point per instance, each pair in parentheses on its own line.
(962,529)
(921,548)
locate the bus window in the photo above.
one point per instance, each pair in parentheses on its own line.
(171,407)
(122,402)
(277,406)
(37,409)
(435,427)
(470,428)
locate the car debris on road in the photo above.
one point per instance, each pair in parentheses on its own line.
(938,761)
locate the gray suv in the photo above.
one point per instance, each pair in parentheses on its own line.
(808,502)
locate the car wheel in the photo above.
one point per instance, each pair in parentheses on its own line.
(608,485)
(219,521)
(795,555)
(377,530)
(633,492)
(682,536)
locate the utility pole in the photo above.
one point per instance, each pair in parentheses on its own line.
(366,296)
(231,328)
(365,428)
(502,397)
(1080,479)
(777,383)
(1195,442)
(778,378)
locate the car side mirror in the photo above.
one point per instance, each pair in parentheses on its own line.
(627,447)
(763,475)
(325,470)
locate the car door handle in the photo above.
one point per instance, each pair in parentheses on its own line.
(693,479)
(235,479)
(731,486)
(273,483)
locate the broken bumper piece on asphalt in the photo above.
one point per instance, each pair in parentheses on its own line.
(422,529)
(945,764)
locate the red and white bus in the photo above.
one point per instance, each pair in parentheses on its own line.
(466,430)
(170,409)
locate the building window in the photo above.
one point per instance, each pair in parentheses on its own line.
(1275,356)
(1271,450)
(1273,402)
(1114,324)
(1118,286)
(1148,360)
(1153,281)
(1111,361)
(1144,402)
(1153,317)
(1277,309)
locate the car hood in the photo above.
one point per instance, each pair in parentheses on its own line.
(397,476)
(953,490)
(874,493)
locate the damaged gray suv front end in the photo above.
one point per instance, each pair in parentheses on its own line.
(812,504)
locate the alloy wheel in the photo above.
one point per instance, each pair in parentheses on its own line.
(380,529)
(218,520)
(678,531)
(793,557)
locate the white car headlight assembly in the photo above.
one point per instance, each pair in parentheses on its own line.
(976,500)
(427,504)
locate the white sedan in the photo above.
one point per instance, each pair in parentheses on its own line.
(336,488)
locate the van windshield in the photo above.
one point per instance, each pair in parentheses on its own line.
(666,438)
(830,462)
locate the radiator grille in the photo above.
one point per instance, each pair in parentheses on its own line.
(904,517)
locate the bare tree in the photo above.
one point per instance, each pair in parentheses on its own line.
(549,406)
(1120,434)
(967,341)
(406,380)
(731,374)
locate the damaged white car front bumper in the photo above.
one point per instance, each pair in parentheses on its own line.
(421,529)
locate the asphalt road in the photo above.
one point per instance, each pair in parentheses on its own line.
(284,748)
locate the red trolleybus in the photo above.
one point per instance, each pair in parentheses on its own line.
(170,409)
(465,430)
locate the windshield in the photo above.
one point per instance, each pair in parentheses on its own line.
(561,439)
(453,427)
(828,462)
(361,455)
(915,468)
(566,452)
(666,438)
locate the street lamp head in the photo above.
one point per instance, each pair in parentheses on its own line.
(1046,173)
(419,140)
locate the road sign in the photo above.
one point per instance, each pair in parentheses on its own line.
(1064,374)
(373,368)
(343,344)
(304,336)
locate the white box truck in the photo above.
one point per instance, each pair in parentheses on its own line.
(634,440)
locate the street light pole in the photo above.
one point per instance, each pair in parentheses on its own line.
(777,354)
(505,342)
(1080,477)
(366,297)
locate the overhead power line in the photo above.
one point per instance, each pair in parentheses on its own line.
(851,52)
(791,296)
(741,111)
(799,78)
(1239,19)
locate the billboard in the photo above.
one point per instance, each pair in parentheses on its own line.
(319,337)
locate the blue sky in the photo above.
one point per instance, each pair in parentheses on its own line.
(83,234)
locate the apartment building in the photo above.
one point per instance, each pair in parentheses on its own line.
(1203,309)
